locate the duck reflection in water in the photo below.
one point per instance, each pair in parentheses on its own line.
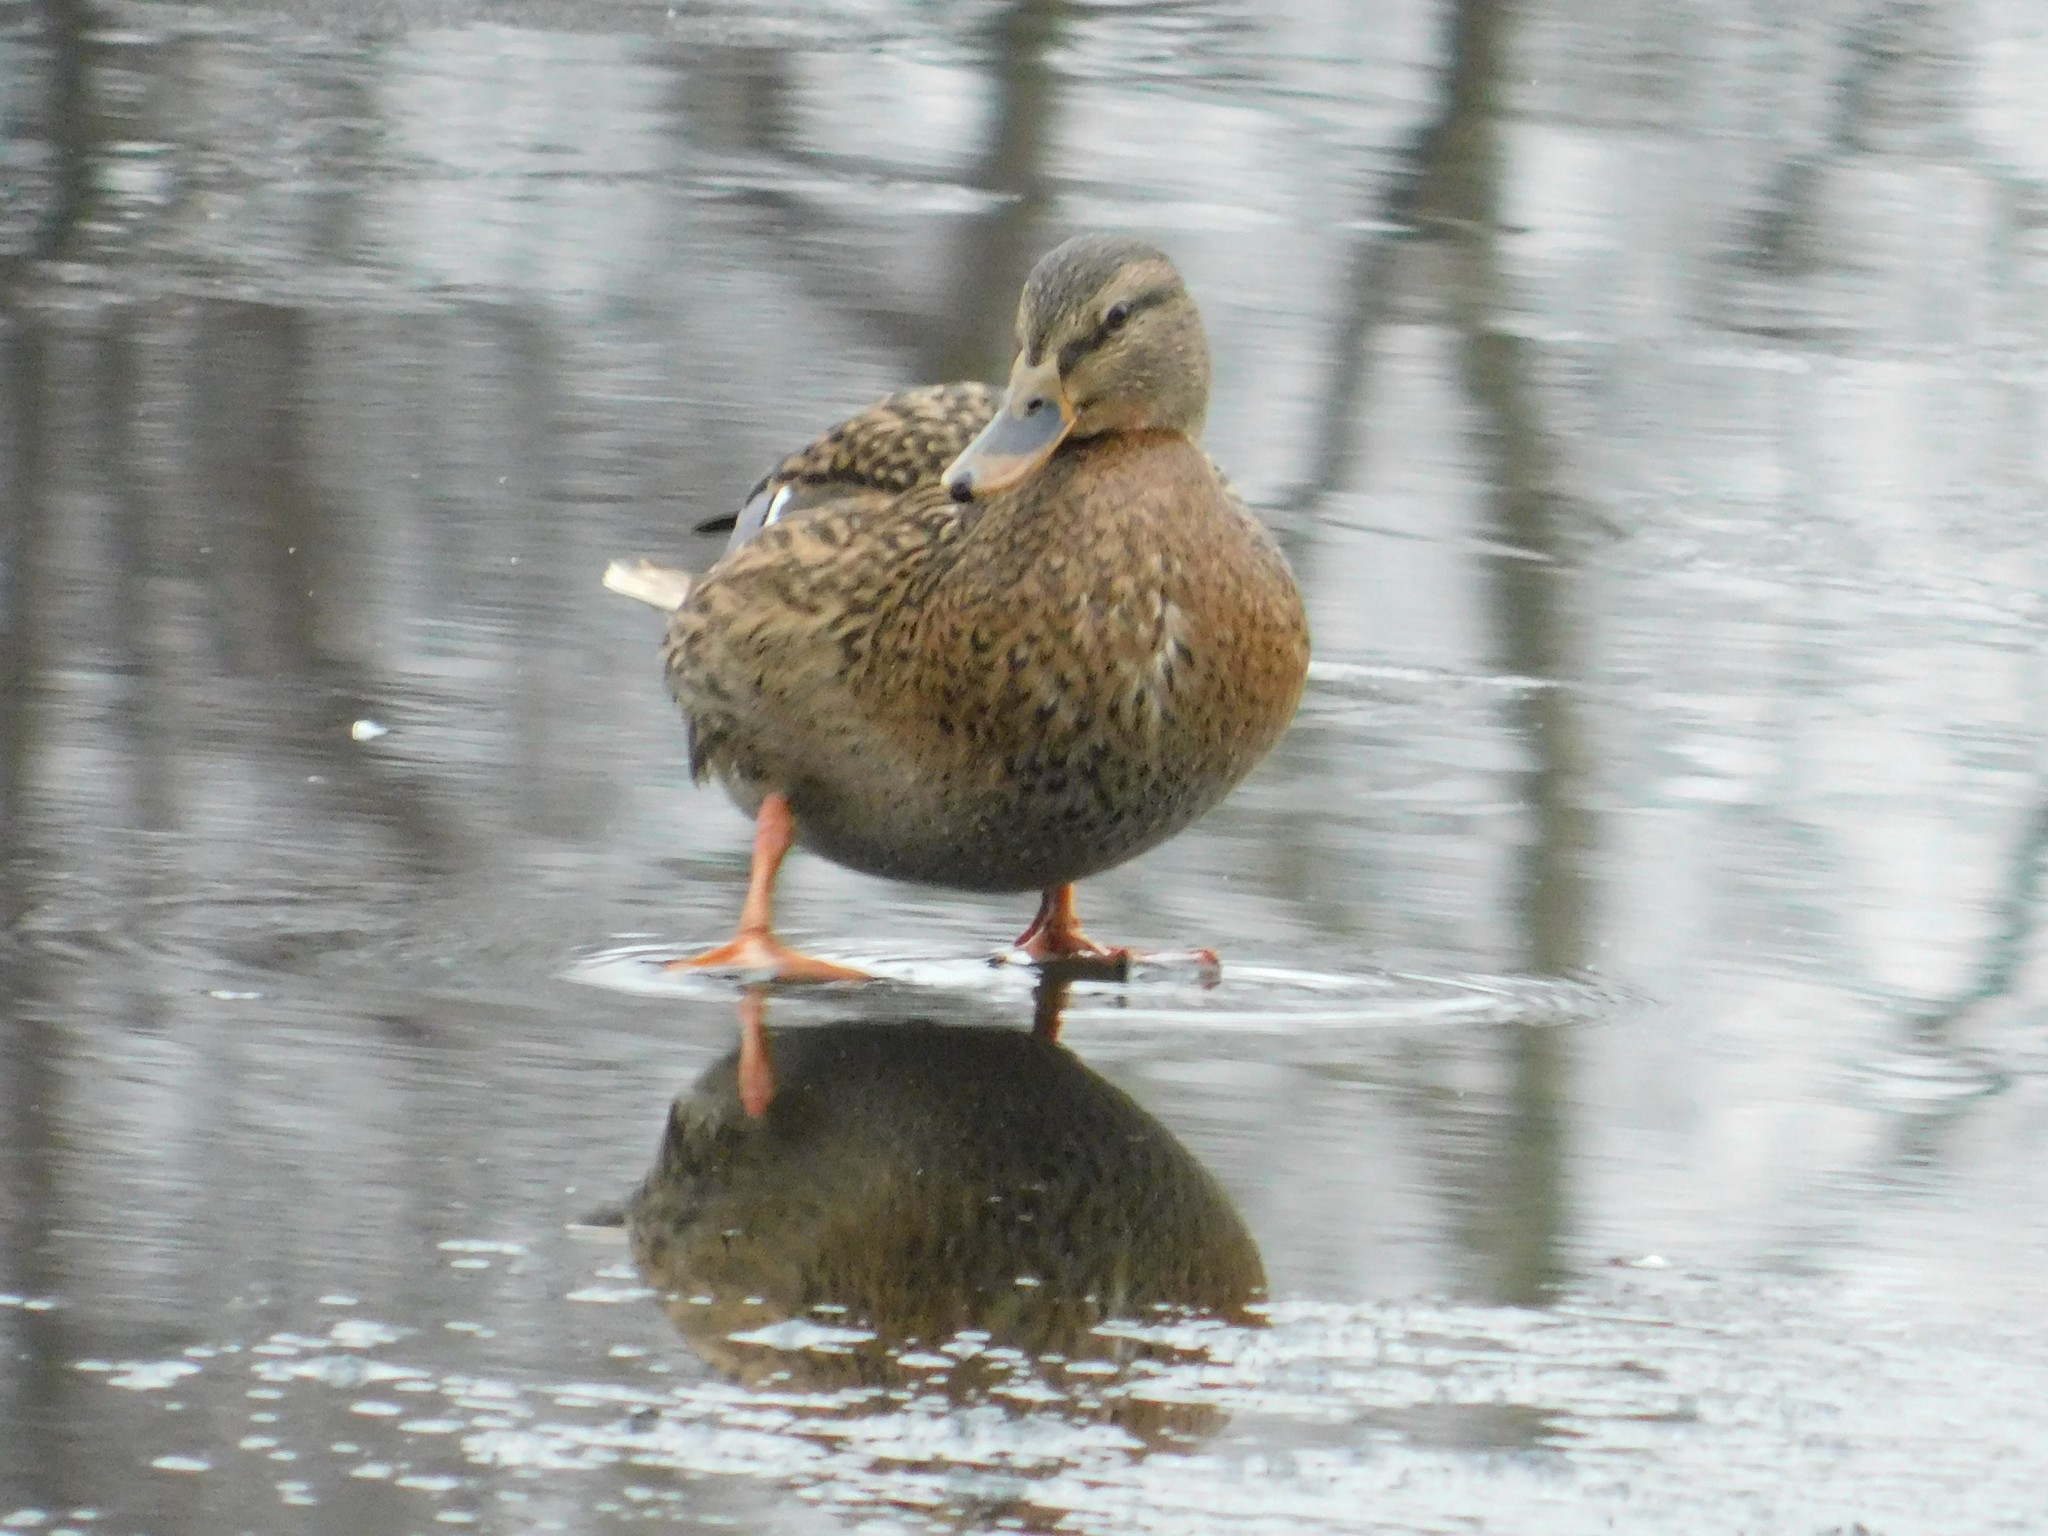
(936,1208)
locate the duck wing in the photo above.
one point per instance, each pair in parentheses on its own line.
(893,446)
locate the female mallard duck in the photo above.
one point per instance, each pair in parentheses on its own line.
(993,644)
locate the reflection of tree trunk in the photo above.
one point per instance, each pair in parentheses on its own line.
(739,106)
(1459,194)
(994,253)
(36,1425)
(1371,273)
(67,122)
(1917,1140)
(251,429)
(2019,912)
(1372,264)
(33,1423)
(539,705)
(1368,282)
(969,334)
(135,562)
(1522,1195)
(26,362)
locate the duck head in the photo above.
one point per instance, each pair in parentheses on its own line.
(1108,340)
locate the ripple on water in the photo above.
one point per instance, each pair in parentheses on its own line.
(1925,1078)
(1249,997)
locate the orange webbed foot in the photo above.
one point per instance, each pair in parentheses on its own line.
(1054,941)
(1076,956)
(754,951)
(1055,944)
(756,954)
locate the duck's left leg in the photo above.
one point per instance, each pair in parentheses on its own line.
(754,949)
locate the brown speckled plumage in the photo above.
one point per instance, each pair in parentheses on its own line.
(896,443)
(1012,691)
(1003,697)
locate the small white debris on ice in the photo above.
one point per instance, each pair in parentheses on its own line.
(368,730)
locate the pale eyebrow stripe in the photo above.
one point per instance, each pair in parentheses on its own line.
(1074,351)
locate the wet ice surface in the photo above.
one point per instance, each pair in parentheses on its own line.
(383,1330)
(1647,1395)
(1629,1052)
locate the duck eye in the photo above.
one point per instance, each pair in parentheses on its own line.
(1114,317)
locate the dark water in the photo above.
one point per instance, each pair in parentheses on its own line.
(1630,1063)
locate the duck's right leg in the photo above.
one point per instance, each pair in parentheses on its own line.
(1055,941)
(1055,934)
(754,949)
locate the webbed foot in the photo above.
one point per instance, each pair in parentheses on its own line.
(760,955)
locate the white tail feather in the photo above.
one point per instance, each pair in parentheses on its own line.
(659,586)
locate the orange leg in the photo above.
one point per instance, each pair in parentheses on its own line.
(1055,938)
(1055,941)
(754,948)
(1055,934)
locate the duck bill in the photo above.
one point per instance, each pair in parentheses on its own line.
(1033,419)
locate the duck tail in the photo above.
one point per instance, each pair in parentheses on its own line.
(659,586)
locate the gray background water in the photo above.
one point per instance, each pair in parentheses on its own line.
(1650,394)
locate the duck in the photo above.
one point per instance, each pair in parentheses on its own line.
(992,641)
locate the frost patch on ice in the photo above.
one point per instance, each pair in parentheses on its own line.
(151,1375)
(611,1295)
(361,1333)
(800,1333)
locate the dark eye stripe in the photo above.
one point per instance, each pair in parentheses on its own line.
(1074,351)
